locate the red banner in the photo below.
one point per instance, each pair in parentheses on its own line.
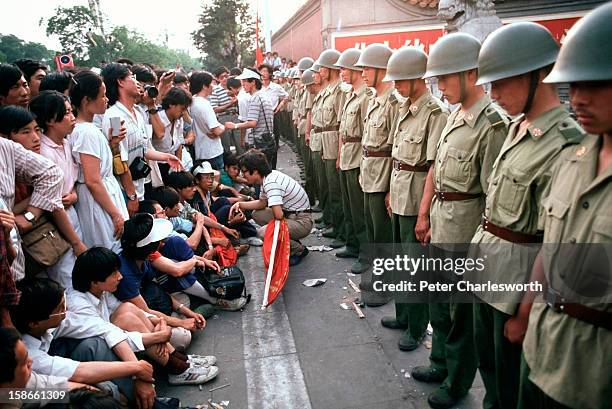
(280,268)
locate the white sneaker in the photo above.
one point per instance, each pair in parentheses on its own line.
(231,305)
(194,375)
(201,360)
(254,241)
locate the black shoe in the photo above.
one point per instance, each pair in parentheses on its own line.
(359,267)
(375,299)
(347,252)
(428,374)
(441,399)
(407,342)
(392,323)
(297,258)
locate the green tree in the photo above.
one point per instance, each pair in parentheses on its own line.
(12,48)
(72,25)
(226,33)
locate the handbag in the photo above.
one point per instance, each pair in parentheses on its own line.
(43,245)
(139,168)
(228,284)
(266,142)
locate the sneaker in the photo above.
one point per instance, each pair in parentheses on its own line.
(231,305)
(254,241)
(201,360)
(194,375)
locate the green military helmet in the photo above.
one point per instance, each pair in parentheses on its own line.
(515,49)
(308,77)
(348,58)
(407,63)
(305,63)
(586,53)
(453,53)
(328,58)
(375,56)
(295,74)
(315,67)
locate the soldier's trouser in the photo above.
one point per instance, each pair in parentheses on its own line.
(352,208)
(311,184)
(452,348)
(532,397)
(377,221)
(499,360)
(414,315)
(334,199)
(319,170)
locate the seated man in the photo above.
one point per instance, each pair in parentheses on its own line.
(231,183)
(281,197)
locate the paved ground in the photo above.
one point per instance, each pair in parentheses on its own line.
(305,351)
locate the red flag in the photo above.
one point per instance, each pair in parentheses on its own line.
(258,54)
(280,264)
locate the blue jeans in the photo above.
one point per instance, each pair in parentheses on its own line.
(216,162)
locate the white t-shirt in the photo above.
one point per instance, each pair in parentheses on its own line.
(281,189)
(203,120)
(173,135)
(273,92)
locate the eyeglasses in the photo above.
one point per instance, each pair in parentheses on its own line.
(61,313)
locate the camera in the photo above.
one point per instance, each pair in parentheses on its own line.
(151,91)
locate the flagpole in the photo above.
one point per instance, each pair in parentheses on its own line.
(264,303)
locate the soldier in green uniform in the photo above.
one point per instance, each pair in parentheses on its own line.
(375,166)
(567,349)
(297,91)
(468,146)
(420,122)
(351,131)
(521,175)
(332,100)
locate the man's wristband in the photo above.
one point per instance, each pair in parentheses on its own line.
(132,197)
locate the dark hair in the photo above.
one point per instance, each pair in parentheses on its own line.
(233,83)
(135,229)
(48,106)
(39,297)
(13,118)
(198,80)
(179,180)
(29,67)
(83,398)
(267,66)
(235,71)
(86,84)
(9,75)
(230,159)
(8,340)
(56,81)
(95,264)
(159,72)
(258,83)
(220,70)
(179,78)
(112,73)
(166,196)
(143,73)
(255,159)
(147,206)
(176,96)
(125,61)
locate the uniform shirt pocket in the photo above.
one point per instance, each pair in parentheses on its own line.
(602,229)
(514,185)
(379,132)
(412,145)
(556,210)
(327,115)
(458,166)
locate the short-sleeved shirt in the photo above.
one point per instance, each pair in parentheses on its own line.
(281,189)
(468,147)
(45,364)
(225,179)
(220,97)
(203,120)
(331,107)
(261,111)
(173,135)
(176,248)
(379,121)
(351,126)
(133,277)
(274,93)
(316,121)
(569,358)
(414,141)
(61,155)
(518,184)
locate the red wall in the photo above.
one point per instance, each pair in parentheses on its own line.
(302,40)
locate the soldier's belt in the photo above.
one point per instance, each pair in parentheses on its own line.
(351,139)
(510,235)
(455,196)
(326,129)
(581,312)
(376,154)
(397,165)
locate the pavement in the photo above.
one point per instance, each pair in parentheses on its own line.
(305,351)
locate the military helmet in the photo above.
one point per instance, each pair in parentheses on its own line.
(328,58)
(374,56)
(586,53)
(453,53)
(315,67)
(308,77)
(305,63)
(348,58)
(515,49)
(407,63)
(295,74)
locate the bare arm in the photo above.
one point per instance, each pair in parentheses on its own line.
(174,268)
(93,181)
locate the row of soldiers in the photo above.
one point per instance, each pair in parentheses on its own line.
(390,163)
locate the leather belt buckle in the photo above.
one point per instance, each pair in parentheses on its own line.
(553,299)
(397,165)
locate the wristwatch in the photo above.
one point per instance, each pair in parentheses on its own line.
(132,196)
(153,111)
(29,216)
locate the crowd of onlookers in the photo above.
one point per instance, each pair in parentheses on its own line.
(136,183)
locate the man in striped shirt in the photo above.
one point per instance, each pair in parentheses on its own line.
(281,198)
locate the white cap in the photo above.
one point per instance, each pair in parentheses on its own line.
(161,229)
(248,74)
(205,168)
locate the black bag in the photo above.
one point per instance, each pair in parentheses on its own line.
(229,284)
(139,168)
(265,142)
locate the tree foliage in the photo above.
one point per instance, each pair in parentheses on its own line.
(226,34)
(13,48)
(71,26)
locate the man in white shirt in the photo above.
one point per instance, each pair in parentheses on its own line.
(277,97)
(207,128)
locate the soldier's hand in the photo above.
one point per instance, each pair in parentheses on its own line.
(515,329)
(388,203)
(421,228)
